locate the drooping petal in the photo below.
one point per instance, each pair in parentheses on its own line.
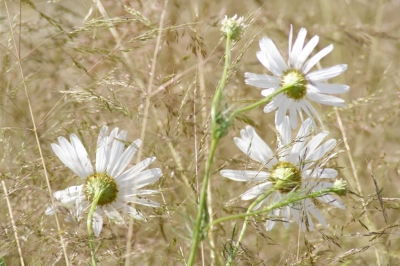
(69,195)
(128,210)
(332,200)
(97,222)
(113,214)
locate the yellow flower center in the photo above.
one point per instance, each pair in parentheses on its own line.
(101,183)
(298,83)
(285,177)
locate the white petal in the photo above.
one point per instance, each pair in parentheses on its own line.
(306,52)
(128,210)
(141,179)
(330,88)
(82,155)
(282,110)
(297,47)
(300,139)
(315,212)
(261,81)
(286,216)
(313,144)
(326,73)
(325,99)
(245,175)
(278,65)
(141,201)
(315,59)
(125,159)
(272,105)
(285,131)
(293,116)
(320,173)
(290,39)
(254,147)
(321,151)
(69,195)
(270,223)
(134,170)
(256,191)
(97,222)
(79,163)
(307,107)
(332,200)
(49,210)
(113,214)
(116,150)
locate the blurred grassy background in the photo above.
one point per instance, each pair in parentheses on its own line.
(82,71)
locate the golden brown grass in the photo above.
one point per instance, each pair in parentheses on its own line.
(80,70)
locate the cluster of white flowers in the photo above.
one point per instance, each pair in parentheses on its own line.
(297,164)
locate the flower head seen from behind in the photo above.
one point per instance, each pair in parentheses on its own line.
(117,185)
(305,85)
(297,164)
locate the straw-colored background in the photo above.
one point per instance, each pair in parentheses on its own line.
(81,73)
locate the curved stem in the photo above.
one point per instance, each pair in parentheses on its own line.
(90,228)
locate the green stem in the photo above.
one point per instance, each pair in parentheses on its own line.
(90,228)
(257,104)
(202,204)
(274,206)
(215,108)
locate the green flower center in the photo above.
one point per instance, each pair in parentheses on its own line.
(101,183)
(285,177)
(298,83)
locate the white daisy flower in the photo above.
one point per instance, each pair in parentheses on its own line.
(296,165)
(119,187)
(305,84)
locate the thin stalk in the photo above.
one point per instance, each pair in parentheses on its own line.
(215,108)
(202,203)
(90,228)
(257,104)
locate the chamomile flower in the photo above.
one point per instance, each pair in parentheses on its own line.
(297,165)
(117,185)
(306,85)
